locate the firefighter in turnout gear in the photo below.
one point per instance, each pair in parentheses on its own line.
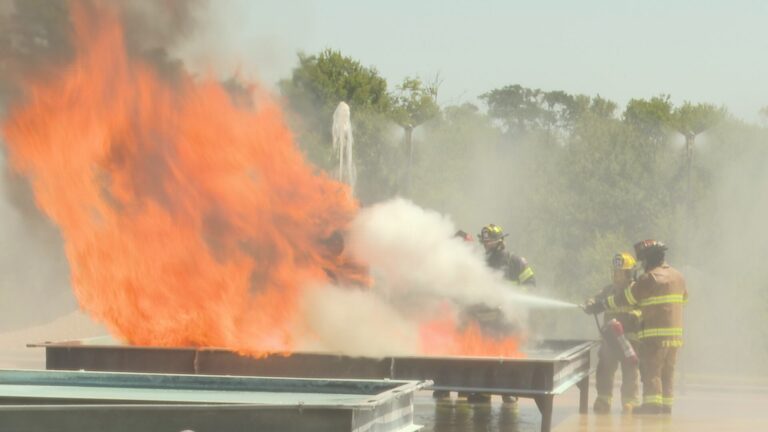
(515,268)
(623,265)
(492,321)
(660,293)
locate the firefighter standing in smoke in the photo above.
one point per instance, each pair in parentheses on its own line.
(660,293)
(491,320)
(515,267)
(608,360)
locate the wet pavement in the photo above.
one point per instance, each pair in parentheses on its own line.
(700,409)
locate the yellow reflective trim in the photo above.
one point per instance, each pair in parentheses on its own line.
(667,400)
(630,297)
(672,298)
(661,332)
(525,274)
(653,399)
(608,399)
(612,308)
(676,343)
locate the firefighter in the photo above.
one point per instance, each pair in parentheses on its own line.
(515,268)
(623,265)
(492,321)
(660,293)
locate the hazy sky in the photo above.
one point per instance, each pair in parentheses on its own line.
(697,50)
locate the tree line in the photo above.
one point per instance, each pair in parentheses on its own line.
(573,178)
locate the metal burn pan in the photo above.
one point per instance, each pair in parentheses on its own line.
(547,369)
(75,401)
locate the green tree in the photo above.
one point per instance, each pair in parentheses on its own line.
(691,120)
(519,109)
(413,103)
(650,117)
(553,114)
(594,184)
(315,88)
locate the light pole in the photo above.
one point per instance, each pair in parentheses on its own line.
(409,148)
(690,138)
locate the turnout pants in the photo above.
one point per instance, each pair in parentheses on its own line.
(607,364)
(657,364)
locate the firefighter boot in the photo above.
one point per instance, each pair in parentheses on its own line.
(479,398)
(509,399)
(602,405)
(441,394)
(648,409)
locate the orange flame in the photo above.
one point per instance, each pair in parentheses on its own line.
(443,337)
(188,218)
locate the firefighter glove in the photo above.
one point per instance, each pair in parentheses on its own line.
(593,307)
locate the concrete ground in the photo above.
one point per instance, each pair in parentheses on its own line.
(700,409)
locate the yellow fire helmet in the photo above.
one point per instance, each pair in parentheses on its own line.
(624,261)
(491,233)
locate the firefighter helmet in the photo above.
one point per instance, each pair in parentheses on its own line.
(624,261)
(648,247)
(491,233)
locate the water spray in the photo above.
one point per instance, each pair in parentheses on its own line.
(343,143)
(536,302)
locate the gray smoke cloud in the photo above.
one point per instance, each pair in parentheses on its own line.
(239,36)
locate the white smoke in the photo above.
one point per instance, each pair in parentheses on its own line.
(419,267)
(412,251)
(356,322)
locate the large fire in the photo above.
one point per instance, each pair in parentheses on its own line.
(188,217)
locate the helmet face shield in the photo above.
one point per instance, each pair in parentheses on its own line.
(624,261)
(622,267)
(491,235)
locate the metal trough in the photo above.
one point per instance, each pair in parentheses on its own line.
(82,401)
(548,369)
